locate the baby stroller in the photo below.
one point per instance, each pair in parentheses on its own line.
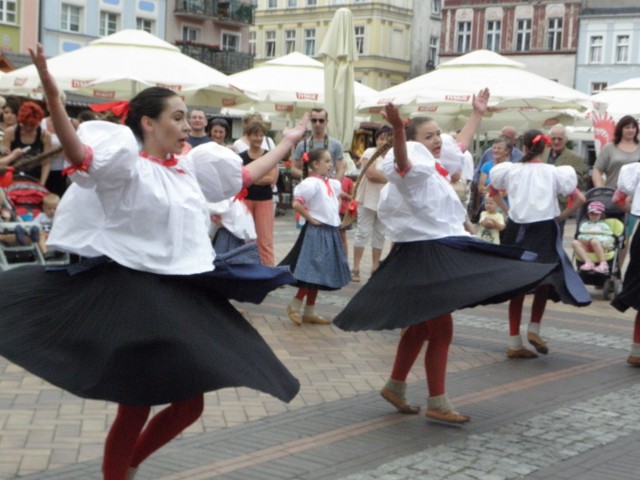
(610,282)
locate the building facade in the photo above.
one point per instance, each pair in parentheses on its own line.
(609,44)
(213,32)
(19,22)
(70,24)
(543,35)
(383,31)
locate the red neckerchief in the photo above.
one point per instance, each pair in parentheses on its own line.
(326,182)
(172,161)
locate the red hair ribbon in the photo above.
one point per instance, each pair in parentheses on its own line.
(6,178)
(305,157)
(544,138)
(119,109)
(352,207)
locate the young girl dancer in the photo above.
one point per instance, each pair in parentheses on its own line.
(533,188)
(629,184)
(317,259)
(435,265)
(141,321)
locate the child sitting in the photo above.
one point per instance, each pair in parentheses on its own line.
(491,222)
(594,235)
(45,219)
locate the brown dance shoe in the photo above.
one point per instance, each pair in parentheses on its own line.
(633,361)
(446,417)
(294,316)
(315,319)
(400,403)
(538,343)
(521,353)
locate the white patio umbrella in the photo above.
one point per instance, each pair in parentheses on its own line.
(621,98)
(518,97)
(118,66)
(288,85)
(339,52)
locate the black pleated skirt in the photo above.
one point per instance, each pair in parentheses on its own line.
(545,239)
(422,280)
(630,295)
(133,337)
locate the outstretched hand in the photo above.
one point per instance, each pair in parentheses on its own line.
(296,133)
(481,101)
(47,81)
(392,115)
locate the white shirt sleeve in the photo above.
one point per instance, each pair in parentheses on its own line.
(566,179)
(218,170)
(629,178)
(499,175)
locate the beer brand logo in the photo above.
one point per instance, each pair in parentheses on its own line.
(306,96)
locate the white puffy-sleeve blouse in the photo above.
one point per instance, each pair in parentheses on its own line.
(420,203)
(629,184)
(533,188)
(142,213)
(321,197)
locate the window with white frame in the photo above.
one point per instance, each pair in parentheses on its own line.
(144,24)
(622,48)
(434,42)
(310,42)
(252,43)
(595,49)
(493,35)
(359,31)
(289,41)
(523,35)
(554,34)
(272,3)
(436,7)
(463,44)
(108,23)
(292,3)
(189,34)
(270,44)
(70,16)
(230,41)
(8,11)
(597,87)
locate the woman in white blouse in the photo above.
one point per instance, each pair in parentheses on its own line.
(533,188)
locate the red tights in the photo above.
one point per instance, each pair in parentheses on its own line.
(310,293)
(439,332)
(128,445)
(537,309)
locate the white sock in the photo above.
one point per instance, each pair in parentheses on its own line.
(515,342)
(441,403)
(635,350)
(295,304)
(534,328)
(309,311)
(397,387)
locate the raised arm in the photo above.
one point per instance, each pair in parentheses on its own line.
(480,103)
(399,139)
(290,137)
(73,148)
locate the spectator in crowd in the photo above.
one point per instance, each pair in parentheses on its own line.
(558,154)
(198,123)
(623,150)
(319,139)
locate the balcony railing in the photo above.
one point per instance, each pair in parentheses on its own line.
(235,11)
(226,61)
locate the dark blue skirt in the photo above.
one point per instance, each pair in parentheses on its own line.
(630,295)
(137,338)
(317,259)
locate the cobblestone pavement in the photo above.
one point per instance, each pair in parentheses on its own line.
(571,414)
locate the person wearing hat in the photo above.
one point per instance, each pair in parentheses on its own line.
(594,235)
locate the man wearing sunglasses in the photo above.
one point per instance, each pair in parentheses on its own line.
(319,139)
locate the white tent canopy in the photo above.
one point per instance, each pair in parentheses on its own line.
(118,66)
(518,97)
(288,85)
(621,99)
